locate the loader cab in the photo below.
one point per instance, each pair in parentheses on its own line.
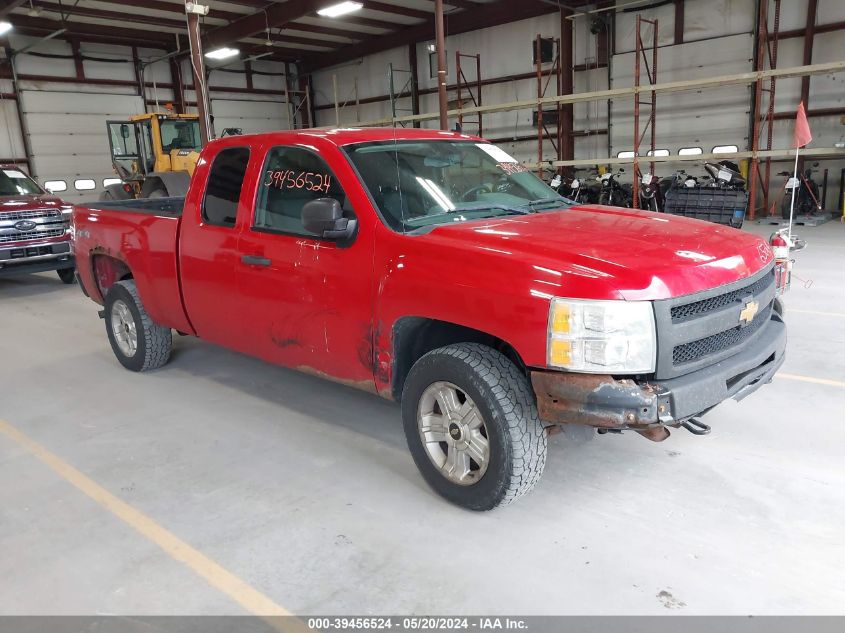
(151,146)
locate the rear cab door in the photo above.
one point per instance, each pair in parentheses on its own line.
(217,208)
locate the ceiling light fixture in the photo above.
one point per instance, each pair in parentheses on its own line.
(5,27)
(341,8)
(222,53)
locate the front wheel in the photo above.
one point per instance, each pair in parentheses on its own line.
(137,342)
(472,426)
(67,275)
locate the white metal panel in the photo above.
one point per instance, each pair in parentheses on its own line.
(251,116)
(831,11)
(717,18)
(371,75)
(29,64)
(717,116)
(828,91)
(11,143)
(119,66)
(67,134)
(626,26)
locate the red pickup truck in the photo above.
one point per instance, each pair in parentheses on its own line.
(34,228)
(434,269)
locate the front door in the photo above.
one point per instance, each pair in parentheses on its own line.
(307,301)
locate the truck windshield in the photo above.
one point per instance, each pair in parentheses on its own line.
(13,182)
(180,134)
(418,184)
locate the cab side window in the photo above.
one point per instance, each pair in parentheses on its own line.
(223,190)
(292,177)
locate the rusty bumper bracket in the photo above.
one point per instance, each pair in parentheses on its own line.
(603,402)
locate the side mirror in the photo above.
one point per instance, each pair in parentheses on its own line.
(324,218)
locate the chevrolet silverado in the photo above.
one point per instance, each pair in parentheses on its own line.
(434,269)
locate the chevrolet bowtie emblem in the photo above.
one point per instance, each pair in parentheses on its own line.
(748,312)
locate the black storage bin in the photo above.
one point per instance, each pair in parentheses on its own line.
(722,206)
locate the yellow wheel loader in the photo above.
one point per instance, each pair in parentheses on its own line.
(154,155)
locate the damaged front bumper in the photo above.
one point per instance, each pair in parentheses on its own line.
(648,407)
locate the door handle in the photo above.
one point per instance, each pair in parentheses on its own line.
(254,260)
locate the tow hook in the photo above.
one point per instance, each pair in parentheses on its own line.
(696,427)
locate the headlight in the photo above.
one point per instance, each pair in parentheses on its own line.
(611,337)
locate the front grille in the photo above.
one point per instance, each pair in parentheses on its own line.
(696,350)
(29,215)
(695,331)
(695,309)
(32,235)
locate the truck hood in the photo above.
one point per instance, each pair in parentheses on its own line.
(639,254)
(30,202)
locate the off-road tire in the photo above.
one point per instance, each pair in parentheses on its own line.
(505,400)
(67,275)
(154,341)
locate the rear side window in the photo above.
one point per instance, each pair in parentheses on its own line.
(223,191)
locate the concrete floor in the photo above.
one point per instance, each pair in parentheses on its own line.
(304,489)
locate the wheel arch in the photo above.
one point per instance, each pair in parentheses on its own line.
(108,270)
(413,337)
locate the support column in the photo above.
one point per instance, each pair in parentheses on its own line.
(440,32)
(759,64)
(809,34)
(200,84)
(27,148)
(178,89)
(415,80)
(567,119)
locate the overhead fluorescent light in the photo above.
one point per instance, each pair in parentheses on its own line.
(341,8)
(222,53)
(5,27)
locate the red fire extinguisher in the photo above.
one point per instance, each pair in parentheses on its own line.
(783,264)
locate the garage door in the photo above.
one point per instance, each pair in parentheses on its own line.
(681,122)
(67,133)
(251,116)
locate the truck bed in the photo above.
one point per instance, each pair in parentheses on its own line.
(115,238)
(170,207)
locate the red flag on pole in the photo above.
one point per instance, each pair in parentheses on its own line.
(802,128)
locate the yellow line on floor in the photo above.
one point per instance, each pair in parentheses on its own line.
(817,381)
(238,590)
(818,312)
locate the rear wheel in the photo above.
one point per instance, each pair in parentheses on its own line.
(67,275)
(137,342)
(472,426)
(157,193)
(785,205)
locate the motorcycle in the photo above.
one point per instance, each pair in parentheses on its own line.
(806,196)
(612,193)
(576,189)
(725,175)
(651,193)
(683,179)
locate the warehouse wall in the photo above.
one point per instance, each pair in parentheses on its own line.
(66,119)
(717,39)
